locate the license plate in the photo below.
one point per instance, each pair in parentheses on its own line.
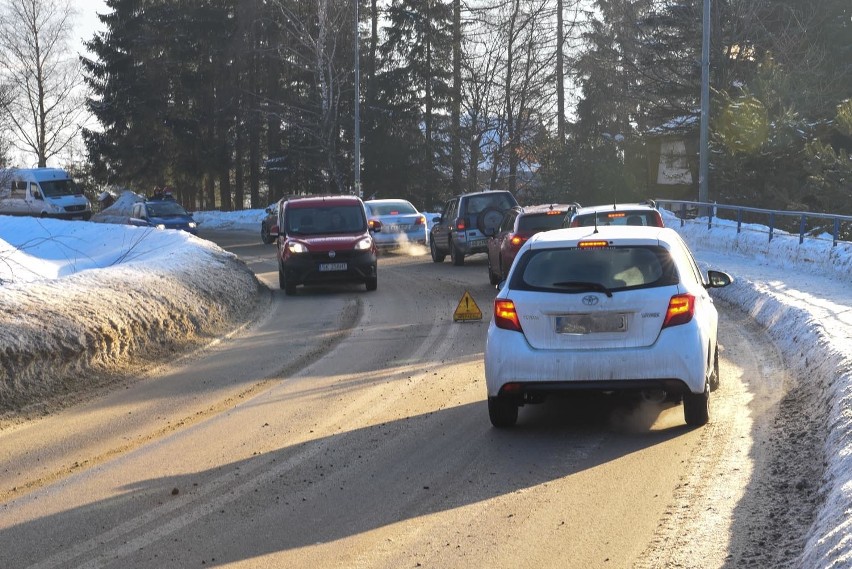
(332,267)
(396,228)
(591,323)
(477,243)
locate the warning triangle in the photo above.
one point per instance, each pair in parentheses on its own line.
(467,309)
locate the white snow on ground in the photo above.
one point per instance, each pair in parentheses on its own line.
(69,287)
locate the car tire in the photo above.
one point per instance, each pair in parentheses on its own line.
(288,287)
(456,255)
(264,234)
(503,412)
(696,408)
(436,257)
(714,375)
(489,218)
(372,283)
(493,277)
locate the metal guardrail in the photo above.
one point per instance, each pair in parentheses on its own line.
(789,221)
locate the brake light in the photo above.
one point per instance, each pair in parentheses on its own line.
(517,240)
(505,316)
(681,310)
(592,244)
(421,220)
(553,212)
(658,219)
(460,225)
(614,215)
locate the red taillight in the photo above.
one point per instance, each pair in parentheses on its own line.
(460,226)
(505,316)
(680,311)
(421,220)
(517,240)
(658,219)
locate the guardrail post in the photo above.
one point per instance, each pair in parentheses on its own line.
(836,232)
(682,213)
(802,229)
(771,224)
(739,219)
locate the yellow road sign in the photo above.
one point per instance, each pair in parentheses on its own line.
(467,309)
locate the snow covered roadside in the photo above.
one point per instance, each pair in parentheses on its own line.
(802,295)
(85,301)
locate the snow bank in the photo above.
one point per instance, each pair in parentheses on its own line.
(82,301)
(815,336)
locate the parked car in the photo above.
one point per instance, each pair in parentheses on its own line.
(518,225)
(269,224)
(462,228)
(162,212)
(400,221)
(616,309)
(325,240)
(644,213)
(42,192)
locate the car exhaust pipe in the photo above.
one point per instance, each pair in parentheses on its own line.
(653,395)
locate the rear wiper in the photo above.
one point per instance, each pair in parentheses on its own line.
(583,287)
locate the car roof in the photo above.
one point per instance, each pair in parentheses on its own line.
(623,235)
(487,192)
(387,201)
(315,201)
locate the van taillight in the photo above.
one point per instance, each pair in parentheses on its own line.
(505,316)
(680,311)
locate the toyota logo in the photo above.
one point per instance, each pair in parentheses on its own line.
(332,254)
(590,300)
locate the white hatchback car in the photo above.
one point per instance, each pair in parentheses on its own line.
(612,309)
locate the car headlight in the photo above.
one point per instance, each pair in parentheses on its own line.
(296,248)
(192,225)
(160,226)
(364,244)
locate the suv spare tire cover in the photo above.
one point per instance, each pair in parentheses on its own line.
(489,218)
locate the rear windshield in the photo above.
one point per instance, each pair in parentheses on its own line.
(394,208)
(322,220)
(615,268)
(499,200)
(642,217)
(540,222)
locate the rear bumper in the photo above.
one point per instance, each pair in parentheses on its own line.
(675,363)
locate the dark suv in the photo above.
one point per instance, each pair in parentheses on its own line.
(325,240)
(467,219)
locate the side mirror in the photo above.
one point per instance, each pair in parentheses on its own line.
(437,219)
(718,279)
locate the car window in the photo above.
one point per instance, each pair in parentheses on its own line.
(395,208)
(324,220)
(165,209)
(499,200)
(685,258)
(616,268)
(508,223)
(642,217)
(540,222)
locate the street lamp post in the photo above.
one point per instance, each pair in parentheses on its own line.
(357,165)
(703,165)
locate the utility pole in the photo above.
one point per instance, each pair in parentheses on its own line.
(358,191)
(703,165)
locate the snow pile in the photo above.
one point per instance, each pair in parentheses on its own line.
(813,328)
(83,301)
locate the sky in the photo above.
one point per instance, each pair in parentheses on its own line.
(86,23)
(800,294)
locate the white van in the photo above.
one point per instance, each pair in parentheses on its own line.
(42,192)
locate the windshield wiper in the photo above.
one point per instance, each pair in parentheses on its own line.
(578,286)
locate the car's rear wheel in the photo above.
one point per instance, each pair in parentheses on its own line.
(436,256)
(503,412)
(456,255)
(372,283)
(696,408)
(264,234)
(714,374)
(493,277)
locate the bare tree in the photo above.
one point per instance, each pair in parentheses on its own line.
(5,143)
(47,105)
